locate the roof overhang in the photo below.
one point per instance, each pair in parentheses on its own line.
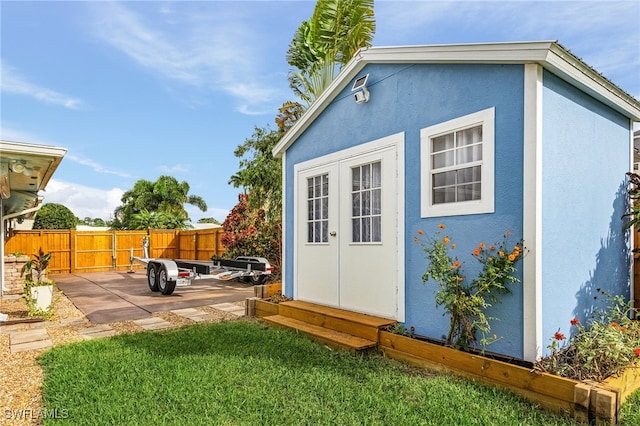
(548,54)
(25,169)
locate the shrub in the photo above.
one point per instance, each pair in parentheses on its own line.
(467,300)
(606,344)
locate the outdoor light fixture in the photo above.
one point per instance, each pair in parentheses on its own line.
(20,166)
(361,94)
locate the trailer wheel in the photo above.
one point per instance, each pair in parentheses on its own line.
(165,286)
(151,277)
(258,279)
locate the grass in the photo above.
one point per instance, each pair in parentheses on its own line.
(241,373)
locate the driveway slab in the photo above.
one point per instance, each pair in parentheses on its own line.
(106,297)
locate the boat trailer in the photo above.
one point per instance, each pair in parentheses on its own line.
(164,275)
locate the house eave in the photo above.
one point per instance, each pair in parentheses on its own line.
(548,54)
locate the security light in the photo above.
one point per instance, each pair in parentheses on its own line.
(361,94)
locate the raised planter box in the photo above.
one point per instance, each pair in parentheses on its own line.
(584,401)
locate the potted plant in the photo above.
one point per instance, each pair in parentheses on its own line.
(38,291)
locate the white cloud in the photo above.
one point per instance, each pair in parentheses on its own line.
(82,200)
(177,168)
(13,83)
(217,52)
(96,166)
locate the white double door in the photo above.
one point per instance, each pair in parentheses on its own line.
(347,232)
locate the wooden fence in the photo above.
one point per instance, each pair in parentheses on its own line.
(99,251)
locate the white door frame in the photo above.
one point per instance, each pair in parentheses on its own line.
(395,141)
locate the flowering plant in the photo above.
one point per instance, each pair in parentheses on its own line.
(467,300)
(609,342)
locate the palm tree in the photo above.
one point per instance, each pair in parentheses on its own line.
(326,42)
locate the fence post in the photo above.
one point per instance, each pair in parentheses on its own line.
(72,251)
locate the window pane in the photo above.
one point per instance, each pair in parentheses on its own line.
(376,175)
(325,208)
(469,154)
(366,203)
(310,232)
(325,185)
(470,174)
(376,195)
(355,178)
(441,143)
(444,195)
(355,230)
(444,179)
(355,210)
(376,232)
(443,159)
(317,187)
(317,231)
(310,210)
(366,177)
(325,231)
(469,192)
(316,209)
(366,229)
(310,188)
(469,136)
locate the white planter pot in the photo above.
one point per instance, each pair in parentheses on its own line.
(43,296)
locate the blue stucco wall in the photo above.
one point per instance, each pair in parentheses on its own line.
(407,97)
(584,247)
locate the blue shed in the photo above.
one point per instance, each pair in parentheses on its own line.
(484,138)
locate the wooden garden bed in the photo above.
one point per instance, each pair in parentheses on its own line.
(584,401)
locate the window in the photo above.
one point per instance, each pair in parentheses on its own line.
(366,196)
(457,166)
(318,209)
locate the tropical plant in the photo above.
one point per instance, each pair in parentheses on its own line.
(606,344)
(55,216)
(36,267)
(209,220)
(165,198)
(466,301)
(327,41)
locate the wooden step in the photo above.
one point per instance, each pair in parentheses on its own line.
(324,335)
(354,323)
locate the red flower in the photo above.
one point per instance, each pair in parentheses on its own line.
(558,336)
(575,321)
(637,352)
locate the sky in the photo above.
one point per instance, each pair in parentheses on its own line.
(137,90)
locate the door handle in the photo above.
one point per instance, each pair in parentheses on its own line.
(332,233)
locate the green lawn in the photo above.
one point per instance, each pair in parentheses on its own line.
(241,373)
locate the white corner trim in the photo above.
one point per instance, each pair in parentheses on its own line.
(532,213)
(283,254)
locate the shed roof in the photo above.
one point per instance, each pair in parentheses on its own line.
(549,54)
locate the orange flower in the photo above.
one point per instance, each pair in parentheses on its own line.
(459,279)
(456,264)
(420,232)
(507,232)
(453,246)
(615,324)
(482,245)
(501,253)
(492,248)
(416,240)
(512,257)
(476,252)
(441,226)
(446,240)
(637,352)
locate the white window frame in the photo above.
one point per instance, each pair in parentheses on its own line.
(486,202)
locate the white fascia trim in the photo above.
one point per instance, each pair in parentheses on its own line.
(532,213)
(570,68)
(400,167)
